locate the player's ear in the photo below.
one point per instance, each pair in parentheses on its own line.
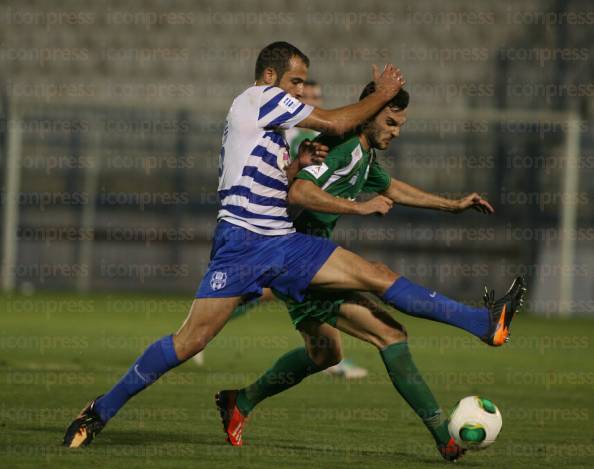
(269,76)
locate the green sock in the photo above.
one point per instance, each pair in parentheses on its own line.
(289,370)
(412,387)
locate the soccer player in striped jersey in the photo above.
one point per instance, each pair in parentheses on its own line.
(255,244)
(312,95)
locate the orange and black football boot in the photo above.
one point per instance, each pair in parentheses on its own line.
(84,427)
(501,312)
(232,418)
(452,451)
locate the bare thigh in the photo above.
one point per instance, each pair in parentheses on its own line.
(345,270)
(322,342)
(206,318)
(368,319)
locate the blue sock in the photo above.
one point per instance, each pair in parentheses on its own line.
(157,359)
(417,301)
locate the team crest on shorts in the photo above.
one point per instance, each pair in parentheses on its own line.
(218,280)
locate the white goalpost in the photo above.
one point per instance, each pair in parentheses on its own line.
(10,212)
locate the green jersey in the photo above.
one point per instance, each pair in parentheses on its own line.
(347,171)
(295,136)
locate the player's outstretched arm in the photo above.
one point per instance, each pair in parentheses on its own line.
(404,194)
(308,195)
(344,119)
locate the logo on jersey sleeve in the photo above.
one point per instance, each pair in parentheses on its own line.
(289,104)
(317,170)
(218,280)
(283,159)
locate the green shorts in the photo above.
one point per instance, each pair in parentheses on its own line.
(321,306)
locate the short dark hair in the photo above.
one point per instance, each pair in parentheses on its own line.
(277,56)
(400,101)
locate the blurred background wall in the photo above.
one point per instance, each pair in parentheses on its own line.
(111,116)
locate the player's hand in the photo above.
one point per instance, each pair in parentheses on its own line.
(474,201)
(378,205)
(389,82)
(311,153)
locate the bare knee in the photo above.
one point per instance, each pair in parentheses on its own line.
(325,353)
(381,267)
(326,359)
(206,318)
(380,277)
(186,346)
(389,336)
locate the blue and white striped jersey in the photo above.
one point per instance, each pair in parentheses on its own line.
(253,184)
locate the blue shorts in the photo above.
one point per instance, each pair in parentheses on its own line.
(242,263)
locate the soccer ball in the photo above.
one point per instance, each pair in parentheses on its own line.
(475,422)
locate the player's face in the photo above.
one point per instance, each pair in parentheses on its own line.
(385,127)
(292,80)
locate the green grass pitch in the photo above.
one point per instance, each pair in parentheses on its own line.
(58,351)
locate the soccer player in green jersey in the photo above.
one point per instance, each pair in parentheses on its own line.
(350,168)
